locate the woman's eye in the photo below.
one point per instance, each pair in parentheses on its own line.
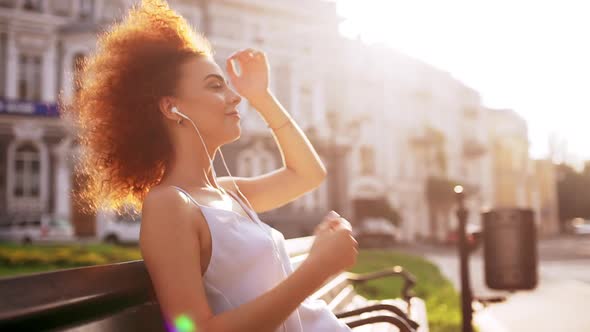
(217,86)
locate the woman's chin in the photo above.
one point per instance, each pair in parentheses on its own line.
(235,135)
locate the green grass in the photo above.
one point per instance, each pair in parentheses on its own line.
(16,259)
(442,301)
(10,271)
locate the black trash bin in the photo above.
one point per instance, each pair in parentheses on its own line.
(510,249)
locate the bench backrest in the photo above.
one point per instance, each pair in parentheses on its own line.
(113,297)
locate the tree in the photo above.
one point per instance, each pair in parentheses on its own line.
(573,192)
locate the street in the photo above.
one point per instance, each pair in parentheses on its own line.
(559,303)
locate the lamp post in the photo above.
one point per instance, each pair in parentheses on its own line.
(466,295)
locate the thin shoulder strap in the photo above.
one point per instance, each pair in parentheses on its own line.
(246,208)
(239,199)
(234,195)
(187,194)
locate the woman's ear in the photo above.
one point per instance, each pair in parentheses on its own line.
(165,105)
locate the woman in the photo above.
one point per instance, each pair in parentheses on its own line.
(153,109)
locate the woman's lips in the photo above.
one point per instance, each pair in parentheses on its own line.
(236,114)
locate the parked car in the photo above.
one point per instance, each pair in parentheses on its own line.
(35,228)
(119,229)
(376,232)
(580,226)
(472,231)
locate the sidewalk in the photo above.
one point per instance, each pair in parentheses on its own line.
(559,303)
(553,306)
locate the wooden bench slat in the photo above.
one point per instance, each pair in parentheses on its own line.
(145,318)
(340,301)
(330,288)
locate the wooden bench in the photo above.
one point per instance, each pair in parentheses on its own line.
(407,313)
(120,297)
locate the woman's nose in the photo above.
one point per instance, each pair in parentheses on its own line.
(234,97)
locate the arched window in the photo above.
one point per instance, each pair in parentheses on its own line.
(27,171)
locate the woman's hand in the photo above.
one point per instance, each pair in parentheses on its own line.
(252,83)
(333,235)
(331,221)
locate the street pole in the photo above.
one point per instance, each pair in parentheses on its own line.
(466,296)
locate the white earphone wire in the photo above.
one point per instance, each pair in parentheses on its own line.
(175,110)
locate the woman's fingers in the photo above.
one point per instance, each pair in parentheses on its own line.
(323,226)
(332,223)
(241,57)
(246,54)
(333,215)
(326,224)
(230,69)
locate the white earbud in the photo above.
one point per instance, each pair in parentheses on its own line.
(176,111)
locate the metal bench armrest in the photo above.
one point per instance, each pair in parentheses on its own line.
(409,279)
(382,306)
(398,322)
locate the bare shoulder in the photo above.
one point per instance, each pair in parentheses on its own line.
(165,208)
(163,197)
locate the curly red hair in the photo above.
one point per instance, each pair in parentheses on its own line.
(124,143)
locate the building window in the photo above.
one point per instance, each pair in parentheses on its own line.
(263,164)
(32,5)
(86,9)
(266,163)
(27,171)
(29,82)
(78,63)
(246,166)
(60,8)
(313,200)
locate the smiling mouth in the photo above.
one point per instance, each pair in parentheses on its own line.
(234,114)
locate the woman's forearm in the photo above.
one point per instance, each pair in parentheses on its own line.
(268,311)
(296,150)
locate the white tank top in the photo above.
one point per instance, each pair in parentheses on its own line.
(245,264)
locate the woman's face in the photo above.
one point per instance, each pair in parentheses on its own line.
(203,94)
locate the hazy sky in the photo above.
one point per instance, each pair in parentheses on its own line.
(530,56)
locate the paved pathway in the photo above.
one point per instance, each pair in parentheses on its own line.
(561,301)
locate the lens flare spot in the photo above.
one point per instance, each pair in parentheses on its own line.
(184,324)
